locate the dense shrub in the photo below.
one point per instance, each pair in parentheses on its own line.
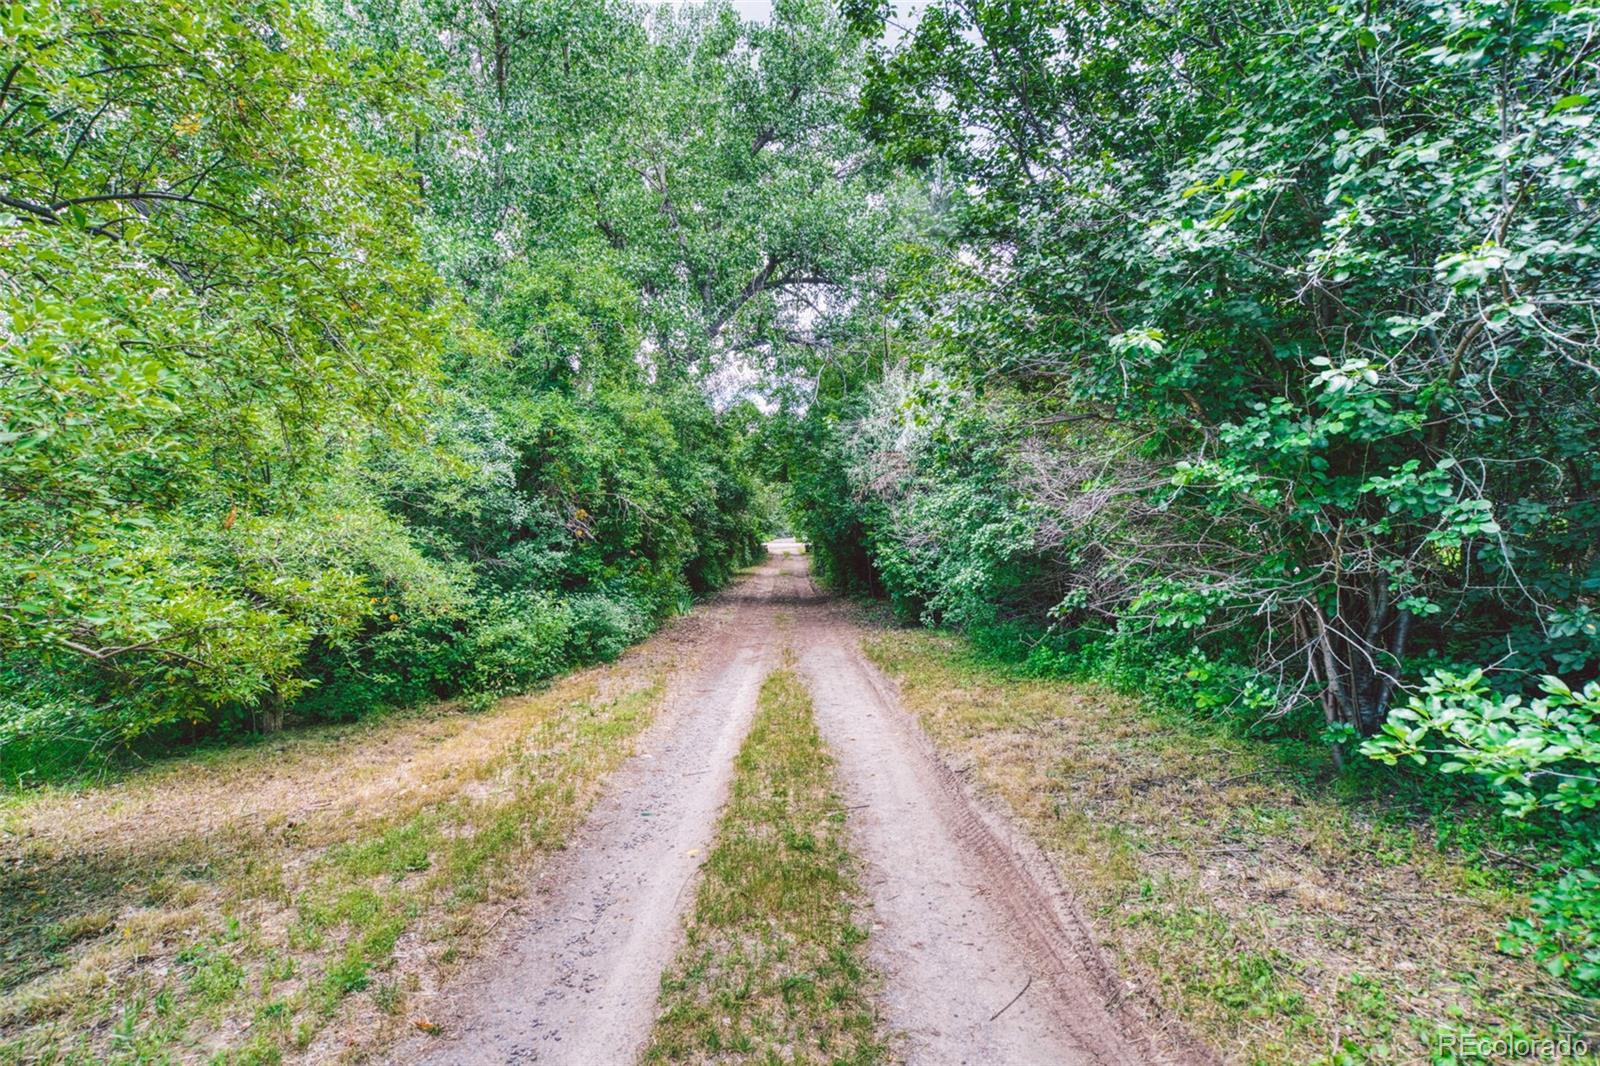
(290,427)
(603,626)
(515,641)
(1541,758)
(1562,928)
(1258,375)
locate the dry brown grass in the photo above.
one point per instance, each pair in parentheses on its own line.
(1280,923)
(290,899)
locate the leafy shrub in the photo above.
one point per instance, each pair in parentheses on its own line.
(514,642)
(1562,928)
(602,626)
(1542,755)
(1173,673)
(1541,758)
(48,730)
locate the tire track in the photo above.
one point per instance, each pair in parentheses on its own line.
(985,960)
(576,980)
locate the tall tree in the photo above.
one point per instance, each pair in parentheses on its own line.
(1323,290)
(211,289)
(711,159)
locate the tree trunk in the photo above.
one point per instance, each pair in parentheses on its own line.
(272,713)
(1320,669)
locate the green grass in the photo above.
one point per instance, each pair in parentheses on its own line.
(139,930)
(1282,917)
(773,966)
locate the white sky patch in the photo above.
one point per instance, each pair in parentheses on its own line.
(903,20)
(749,10)
(738,379)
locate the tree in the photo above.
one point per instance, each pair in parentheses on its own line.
(1311,302)
(709,159)
(211,289)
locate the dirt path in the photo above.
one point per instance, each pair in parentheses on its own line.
(576,982)
(965,916)
(983,958)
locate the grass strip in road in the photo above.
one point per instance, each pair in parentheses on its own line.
(1283,922)
(773,967)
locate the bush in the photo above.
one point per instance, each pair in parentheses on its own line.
(515,642)
(1541,758)
(1563,925)
(603,626)
(47,732)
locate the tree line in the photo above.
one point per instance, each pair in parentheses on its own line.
(369,353)
(1246,357)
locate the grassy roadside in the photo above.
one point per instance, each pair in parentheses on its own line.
(773,967)
(1280,922)
(295,895)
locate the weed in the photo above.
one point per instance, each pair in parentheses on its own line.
(350,974)
(773,962)
(1272,909)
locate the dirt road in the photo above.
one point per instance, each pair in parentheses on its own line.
(982,957)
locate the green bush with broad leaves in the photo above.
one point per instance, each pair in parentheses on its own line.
(1541,759)
(1539,755)
(1254,372)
